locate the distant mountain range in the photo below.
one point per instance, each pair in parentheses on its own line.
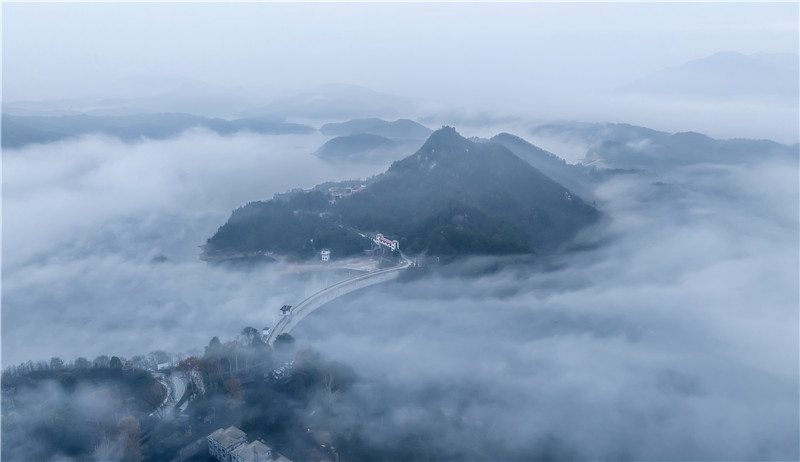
(401,129)
(453,197)
(336,101)
(147,95)
(18,131)
(626,146)
(724,75)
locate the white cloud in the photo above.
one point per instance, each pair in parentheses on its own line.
(675,339)
(83,219)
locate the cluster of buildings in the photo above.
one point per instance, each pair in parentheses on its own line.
(230,445)
(281,373)
(380,240)
(338,193)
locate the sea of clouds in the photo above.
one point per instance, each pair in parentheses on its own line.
(673,334)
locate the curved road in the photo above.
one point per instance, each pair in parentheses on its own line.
(310,304)
(175,388)
(175,385)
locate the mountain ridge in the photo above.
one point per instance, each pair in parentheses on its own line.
(18,131)
(400,129)
(725,75)
(452,197)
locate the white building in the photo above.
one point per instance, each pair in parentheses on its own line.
(230,445)
(223,442)
(390,243)
(325,254)
(252,452)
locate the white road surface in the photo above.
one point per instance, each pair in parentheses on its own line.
(310,304)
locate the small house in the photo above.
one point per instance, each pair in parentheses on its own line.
(223,442)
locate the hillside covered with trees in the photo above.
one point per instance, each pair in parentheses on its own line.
(453,197)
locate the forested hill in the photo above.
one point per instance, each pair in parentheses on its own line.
(401,129)
(453,197)
(577,178)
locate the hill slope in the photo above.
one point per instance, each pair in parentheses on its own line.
(577,178)
(365,147)
(453,197)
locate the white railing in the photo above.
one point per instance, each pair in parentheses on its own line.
(310,304)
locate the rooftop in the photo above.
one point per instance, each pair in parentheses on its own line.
(227,437)
(253,452)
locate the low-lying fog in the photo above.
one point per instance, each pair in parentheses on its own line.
(676,339)
(87,224)
(673,337)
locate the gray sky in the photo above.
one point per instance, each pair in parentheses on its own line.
(675,340)
(447,51)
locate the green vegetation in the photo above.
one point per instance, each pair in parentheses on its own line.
(298,227)
(98,411)
(300,404)
(578,178)
(401,129)
(452,198)
(244,383)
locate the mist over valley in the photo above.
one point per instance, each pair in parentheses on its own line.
(490,249)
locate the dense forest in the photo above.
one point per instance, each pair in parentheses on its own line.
(82,410)
(300,404)
(298,227)
(107,410)
(453,197)
(401,129)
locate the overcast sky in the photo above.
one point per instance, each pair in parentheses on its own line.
(674,340)
(443,51)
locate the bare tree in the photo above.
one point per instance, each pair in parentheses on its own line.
(106,450)
(56,364)
(330,393)
(131,438)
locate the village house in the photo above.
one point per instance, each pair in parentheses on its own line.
(222,442)
(230,445)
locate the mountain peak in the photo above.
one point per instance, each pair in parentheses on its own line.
(452,197)
(445,146)
(446,134)
(445,139)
